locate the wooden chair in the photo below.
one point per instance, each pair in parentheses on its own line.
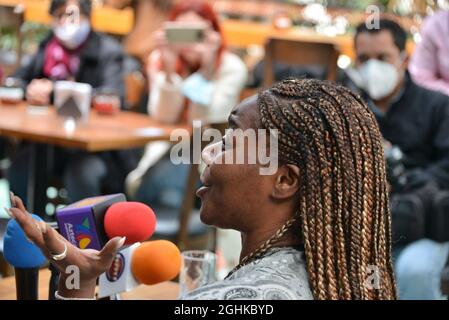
(294,52)
(134,81)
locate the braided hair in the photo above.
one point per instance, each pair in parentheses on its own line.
(343,210)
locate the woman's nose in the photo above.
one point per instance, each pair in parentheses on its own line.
(210,152)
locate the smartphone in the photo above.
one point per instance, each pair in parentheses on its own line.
(184,33)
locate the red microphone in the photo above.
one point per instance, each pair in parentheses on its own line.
(90,223)
(133,220)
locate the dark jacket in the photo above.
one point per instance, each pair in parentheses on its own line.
(418,123)
(101,63)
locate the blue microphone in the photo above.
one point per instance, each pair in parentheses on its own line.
(25,257)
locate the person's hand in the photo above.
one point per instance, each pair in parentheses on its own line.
(90,263)
(208,50)
(168,54)
(39,91)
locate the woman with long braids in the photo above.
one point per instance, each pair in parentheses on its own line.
(317,228)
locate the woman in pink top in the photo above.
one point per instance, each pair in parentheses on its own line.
(429,65)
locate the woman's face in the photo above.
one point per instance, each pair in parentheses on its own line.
(192,53)
(232,193)
(68,14)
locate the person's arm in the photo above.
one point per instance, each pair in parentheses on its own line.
(166,101)
(26,72)
(439,169)
(112,75)
(424,64)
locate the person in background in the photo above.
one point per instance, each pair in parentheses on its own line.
(416,121)
(429,64)
(202,81)
(73,51)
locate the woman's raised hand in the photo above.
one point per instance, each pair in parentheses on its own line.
(90,263)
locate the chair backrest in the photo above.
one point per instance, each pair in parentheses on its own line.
(295,52)
(14,16)
(134,82)
(135,87)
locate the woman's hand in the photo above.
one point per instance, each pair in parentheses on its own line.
(91,263)
(169,56)
(209,49)
(39,91)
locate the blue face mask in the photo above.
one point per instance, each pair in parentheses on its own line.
(198,90)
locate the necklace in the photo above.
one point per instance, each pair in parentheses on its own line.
(263,249)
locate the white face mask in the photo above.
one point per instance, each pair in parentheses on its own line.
(72,35)
(377,78)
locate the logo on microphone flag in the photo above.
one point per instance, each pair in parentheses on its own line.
(116,269)
(78,226)
(119,277)
(83,234)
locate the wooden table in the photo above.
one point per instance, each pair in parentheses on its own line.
(100,133)
(162,291)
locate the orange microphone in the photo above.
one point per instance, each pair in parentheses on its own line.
(156,261)
(147,263)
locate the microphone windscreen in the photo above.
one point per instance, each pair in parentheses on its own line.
(156,261)
(133,220)
(18,250)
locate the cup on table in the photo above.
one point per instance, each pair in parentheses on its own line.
(11,91)
(106,102)
(197,270)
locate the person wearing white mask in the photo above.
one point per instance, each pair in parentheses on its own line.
(73,51)
(415,121)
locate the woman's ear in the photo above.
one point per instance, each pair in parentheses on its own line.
(405,61)
(286,183)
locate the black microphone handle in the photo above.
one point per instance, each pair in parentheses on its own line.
(27,280)
(54,279)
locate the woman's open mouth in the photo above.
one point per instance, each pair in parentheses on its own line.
(201,192)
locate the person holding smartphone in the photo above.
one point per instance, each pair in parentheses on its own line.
(191,76)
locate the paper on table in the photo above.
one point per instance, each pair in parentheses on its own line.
(37,110)
(149,131)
